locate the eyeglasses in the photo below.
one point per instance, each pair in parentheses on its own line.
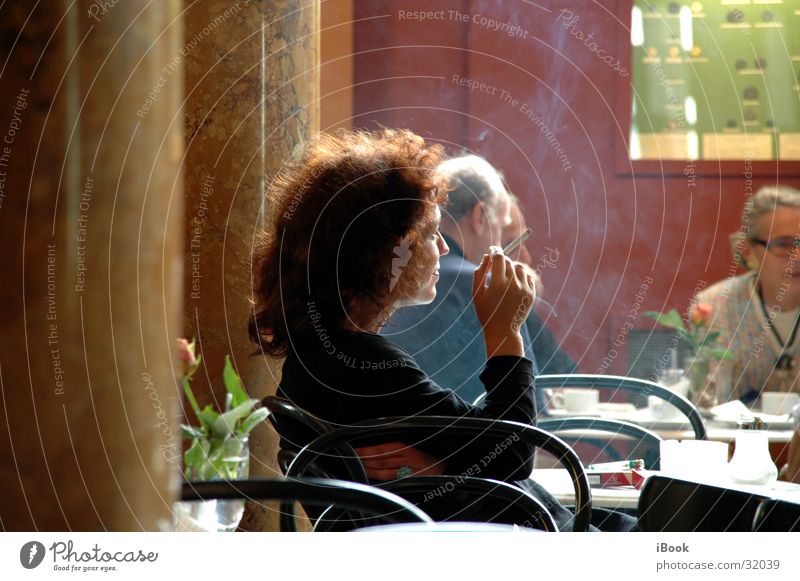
(783,246)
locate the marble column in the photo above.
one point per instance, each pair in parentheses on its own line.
(252,98)
(91,234)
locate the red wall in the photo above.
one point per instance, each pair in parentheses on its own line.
(612,233)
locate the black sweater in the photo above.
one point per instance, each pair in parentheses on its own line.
(344,377)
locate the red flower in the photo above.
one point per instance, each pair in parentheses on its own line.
(701,314)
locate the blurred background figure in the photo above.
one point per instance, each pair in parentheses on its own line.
(445,336)
(756,313)
(550,359)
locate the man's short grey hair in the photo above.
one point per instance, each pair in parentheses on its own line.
(473,180)
(767,200)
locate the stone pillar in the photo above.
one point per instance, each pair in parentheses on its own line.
(91,236)
(252,98)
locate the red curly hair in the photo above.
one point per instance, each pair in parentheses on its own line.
(339,214)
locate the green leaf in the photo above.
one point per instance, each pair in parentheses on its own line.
(192,431)
(252,421)
(709,339)
(197,453)
(208,416)
(226,423)
(672,319)
(233,384)
(720,353)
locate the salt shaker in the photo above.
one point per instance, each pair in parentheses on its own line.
(751,462)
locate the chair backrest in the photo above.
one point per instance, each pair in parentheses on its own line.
(634,385)
(310,426)
(456,427)
(607,440)
(676,505)
(777,516)
(497,502)
(384,506)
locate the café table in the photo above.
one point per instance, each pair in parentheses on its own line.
(557,482)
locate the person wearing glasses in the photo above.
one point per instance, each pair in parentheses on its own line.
(757,313)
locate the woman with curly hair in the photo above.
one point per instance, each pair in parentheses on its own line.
(354,236)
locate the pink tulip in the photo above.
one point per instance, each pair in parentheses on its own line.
(187,356)
(701,314)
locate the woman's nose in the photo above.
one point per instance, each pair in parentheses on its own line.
(443,247)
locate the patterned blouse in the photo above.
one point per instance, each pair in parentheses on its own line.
(745,330)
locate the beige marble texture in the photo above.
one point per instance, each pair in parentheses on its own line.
(252,98)
(91,233)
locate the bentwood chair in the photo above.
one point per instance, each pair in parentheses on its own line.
(631,385)
(601,440)
(505,502)
(669,504)
(778,516)
(384,507)
(510,501)
(419,427)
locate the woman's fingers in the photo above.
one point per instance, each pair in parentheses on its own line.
(479,276)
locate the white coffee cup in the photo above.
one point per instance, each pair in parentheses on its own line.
(580,400)
(778,403)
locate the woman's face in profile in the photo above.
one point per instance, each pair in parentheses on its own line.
(779,266)
(427,251)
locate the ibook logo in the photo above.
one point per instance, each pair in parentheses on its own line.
(31,554)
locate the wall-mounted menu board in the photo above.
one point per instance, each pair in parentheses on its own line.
(715,80)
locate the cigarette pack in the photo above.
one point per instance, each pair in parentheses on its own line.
(614,478)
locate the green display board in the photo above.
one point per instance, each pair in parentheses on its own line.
(715,80)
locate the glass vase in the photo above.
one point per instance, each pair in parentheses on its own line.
(233,463)
(702,391)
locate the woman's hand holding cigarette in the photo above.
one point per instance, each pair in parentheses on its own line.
(502,302)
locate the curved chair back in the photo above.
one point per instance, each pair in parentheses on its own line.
(455,427)
(638,441)
(506,503)
(629,384)
(385,506)
(282,410)
(669,504)
(778,516)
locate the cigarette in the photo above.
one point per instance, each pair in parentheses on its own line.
(517,241)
